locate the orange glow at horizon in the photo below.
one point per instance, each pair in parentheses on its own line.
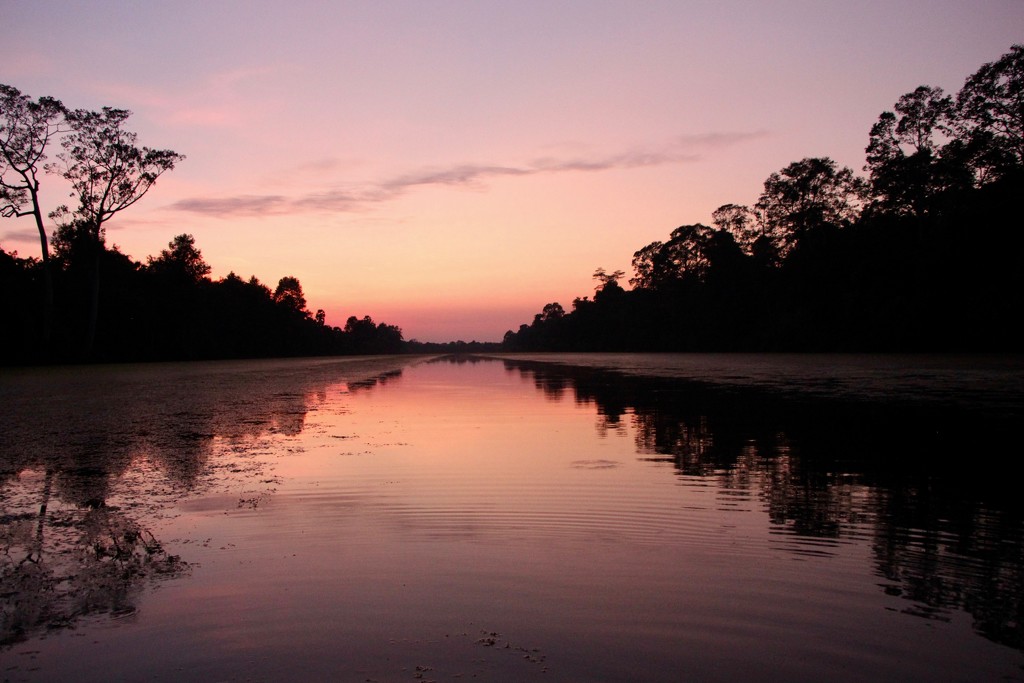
(452,170)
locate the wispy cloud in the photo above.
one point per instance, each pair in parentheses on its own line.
(683,149)
(462,174)
(20,235)
(233,206)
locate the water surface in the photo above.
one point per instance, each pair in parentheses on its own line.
(504,519)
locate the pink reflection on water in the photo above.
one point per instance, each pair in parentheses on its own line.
(435,518)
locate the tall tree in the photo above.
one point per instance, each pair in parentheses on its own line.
(807,195)
(905,157)
(108,173)
(991,111)
(27,127)
(107,170)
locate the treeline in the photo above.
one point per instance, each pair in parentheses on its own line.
(85,301)
(453,347)
(166,309)
(924,252)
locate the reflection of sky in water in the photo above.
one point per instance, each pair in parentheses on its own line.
(603,530)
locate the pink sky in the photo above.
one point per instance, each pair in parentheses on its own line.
(450,167)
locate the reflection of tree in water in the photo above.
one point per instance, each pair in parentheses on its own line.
(942,549)
(371,382)
(945,537)
(59,565)
(88,456)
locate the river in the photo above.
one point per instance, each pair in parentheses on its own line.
(605,517)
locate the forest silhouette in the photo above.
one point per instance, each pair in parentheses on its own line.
(923,253)
(86,300)
(170,309)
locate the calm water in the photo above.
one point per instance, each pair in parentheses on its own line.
(695,518)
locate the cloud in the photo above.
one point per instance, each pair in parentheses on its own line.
(21,235)
(463,174)
(241,205)
(682,149)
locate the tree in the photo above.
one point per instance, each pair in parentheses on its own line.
(26,129)
(808,195)
(181,259)
(741,222)
(682,257)
(108,173)
(608,288)
(991,114)
(649,267)
(70,243)
(905,153)
(605,279)
(552,311)
(368,337)
(923,114)
(289,294)
(687,247)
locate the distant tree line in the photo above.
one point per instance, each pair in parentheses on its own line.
(924,252)
(85,300)
(169,309)
(459,347)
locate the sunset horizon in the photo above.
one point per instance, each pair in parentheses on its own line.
(452,170)
(567,340)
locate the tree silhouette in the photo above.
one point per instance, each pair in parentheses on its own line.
(904,154)
(552,311)
(991,111)
(181,259)
(739,221)
(660,265)
(26,129)
(605,278)
(289,294)
(167,309)
(108,173)
(808,195)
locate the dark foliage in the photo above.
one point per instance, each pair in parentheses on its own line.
(925,254)
(168,309)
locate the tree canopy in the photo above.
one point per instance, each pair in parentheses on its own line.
(921,254)
(107,170)
(168,308)
(181,259)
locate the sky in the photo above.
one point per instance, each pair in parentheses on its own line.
(452,166)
